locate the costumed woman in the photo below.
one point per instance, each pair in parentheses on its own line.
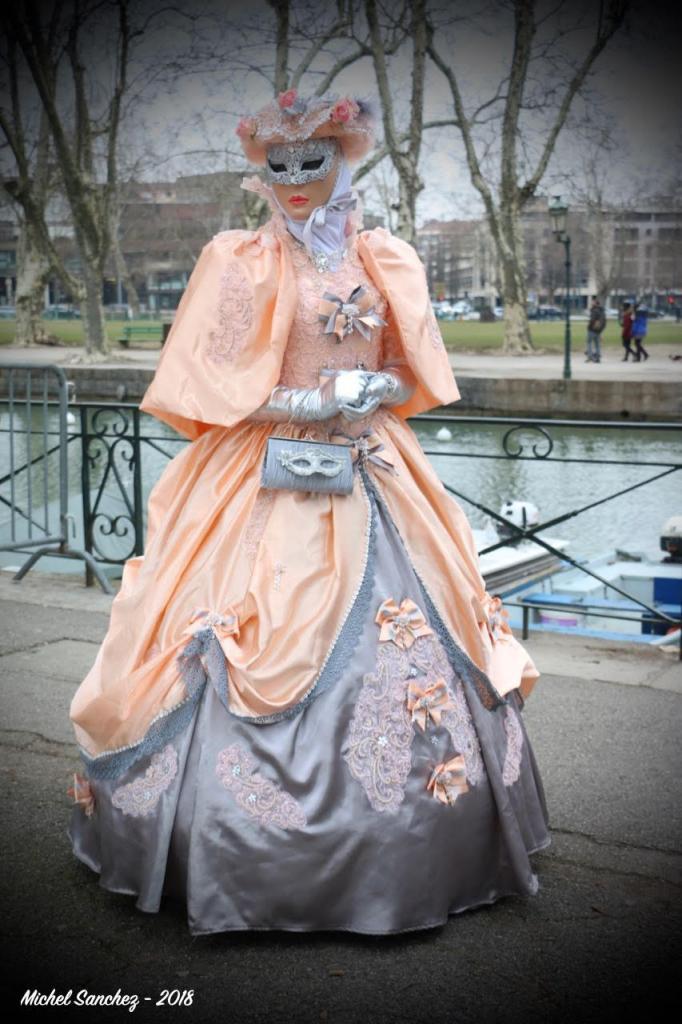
(306,711)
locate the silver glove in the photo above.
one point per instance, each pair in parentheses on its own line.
(307,405)
(393,385)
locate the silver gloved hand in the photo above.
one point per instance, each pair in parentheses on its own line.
(393,385)
(307,405)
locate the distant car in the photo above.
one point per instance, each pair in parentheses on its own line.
(461,307)
(499,312)
(118,310)
(545,313)
(7,312)
(61,311)
(471,315)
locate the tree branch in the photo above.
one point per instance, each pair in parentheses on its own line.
(612,22)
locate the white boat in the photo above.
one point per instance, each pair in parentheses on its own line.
(516,565)
(586,605)
(518,562)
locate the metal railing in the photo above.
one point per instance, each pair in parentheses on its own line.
(541,448)
(111,441)
(34,524)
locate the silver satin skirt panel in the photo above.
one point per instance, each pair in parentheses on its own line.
(325,820)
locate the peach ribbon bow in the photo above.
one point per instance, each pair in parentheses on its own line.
(401,624)
(223,625)
(496,617)
(82,793)
(448,780)
(430,701)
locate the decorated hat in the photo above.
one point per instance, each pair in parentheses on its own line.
(292,118)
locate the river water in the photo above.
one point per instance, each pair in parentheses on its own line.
(596,466)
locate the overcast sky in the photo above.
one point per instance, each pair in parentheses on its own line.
(635,92)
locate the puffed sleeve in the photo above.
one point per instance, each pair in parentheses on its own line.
(412,331)
(391,346)
(223,354)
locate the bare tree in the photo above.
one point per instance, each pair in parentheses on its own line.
(505,194)
(405,158)
(605,222)
(29,189)
(309,38)
(378,35)
(90,200)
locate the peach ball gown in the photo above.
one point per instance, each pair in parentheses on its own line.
(306,713)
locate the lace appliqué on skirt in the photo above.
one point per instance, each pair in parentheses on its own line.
(511,769)
(383,725)
(256,794)
(141,796)
(380,737)
(235,315)
(457,718)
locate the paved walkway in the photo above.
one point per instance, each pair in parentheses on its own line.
(599,943)
(490,363)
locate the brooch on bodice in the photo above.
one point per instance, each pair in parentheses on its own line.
(357,313)
(328,261)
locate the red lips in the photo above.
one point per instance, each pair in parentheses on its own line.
(298,200)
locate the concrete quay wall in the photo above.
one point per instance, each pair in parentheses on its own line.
(491,396)
(571,399)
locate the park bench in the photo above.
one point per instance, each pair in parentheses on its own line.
(144,333)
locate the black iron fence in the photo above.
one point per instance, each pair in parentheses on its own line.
(112,457)
(532,440)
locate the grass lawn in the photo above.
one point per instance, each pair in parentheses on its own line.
(547,336)
(70,332)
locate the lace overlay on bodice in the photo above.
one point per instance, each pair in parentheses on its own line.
(309,350)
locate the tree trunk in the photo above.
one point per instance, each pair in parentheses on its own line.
(92,311)
(408,189)
(126,278)
(509,245)
(33,272)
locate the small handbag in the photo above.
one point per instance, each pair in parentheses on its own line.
(297,464)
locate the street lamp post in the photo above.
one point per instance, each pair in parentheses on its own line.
(558,211)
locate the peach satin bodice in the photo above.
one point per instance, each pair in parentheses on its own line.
(310,351)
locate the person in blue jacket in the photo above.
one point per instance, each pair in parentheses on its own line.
(639,329)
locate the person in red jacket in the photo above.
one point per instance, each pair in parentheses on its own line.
(627,318)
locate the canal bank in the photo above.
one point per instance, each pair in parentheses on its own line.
(490,383)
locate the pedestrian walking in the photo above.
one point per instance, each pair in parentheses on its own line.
(626,321)
(596,325)
(639,331)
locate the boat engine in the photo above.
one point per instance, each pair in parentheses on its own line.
(521,513)
(671,539)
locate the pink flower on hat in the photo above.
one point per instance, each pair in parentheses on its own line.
(246,128)
(287,99)
(345,110)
